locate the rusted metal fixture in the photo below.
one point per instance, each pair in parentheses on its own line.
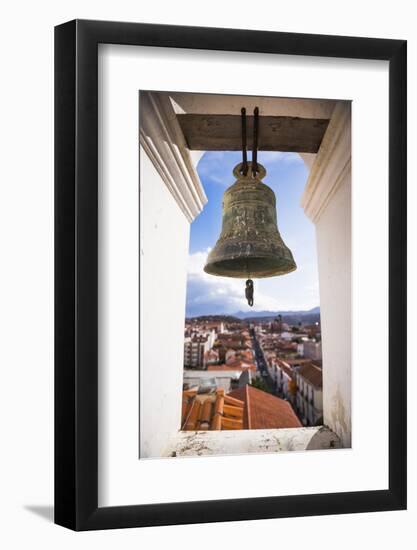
(250,244)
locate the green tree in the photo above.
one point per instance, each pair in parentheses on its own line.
(260,384)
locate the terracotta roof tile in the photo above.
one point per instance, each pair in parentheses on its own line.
(265,411)
(244,408)
(211,412)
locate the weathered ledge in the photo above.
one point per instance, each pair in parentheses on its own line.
(233,442)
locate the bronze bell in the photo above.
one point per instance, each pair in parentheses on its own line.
(250,244)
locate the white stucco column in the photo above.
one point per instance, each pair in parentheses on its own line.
(171,196)
(327,202)
(163,141)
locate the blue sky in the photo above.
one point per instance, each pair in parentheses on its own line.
(207,294)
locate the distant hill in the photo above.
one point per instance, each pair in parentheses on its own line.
(290,317)
(254,314)
(215,318)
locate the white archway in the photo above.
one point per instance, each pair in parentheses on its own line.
(168,171)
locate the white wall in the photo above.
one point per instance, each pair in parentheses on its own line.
(26,287)
(333,231)
(327,201)
(163,264)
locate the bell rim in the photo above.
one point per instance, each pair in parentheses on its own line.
(212,268)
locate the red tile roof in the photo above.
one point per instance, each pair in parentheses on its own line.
(296,362)
(232,366)
(312,373)
(211,412)
(265,411)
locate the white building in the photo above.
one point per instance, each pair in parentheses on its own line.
(284,377)
(309,399)
(213,379)
(211,357)
(194,349)
(312,349)
(230,354)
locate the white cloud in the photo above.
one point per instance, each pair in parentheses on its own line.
(276,157)
(215,165)
(212,294)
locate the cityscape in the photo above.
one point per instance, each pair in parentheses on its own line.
(252,368)
(260,372)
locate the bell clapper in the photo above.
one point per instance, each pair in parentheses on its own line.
(249,292)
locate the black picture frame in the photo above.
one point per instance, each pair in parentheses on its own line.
(76,272)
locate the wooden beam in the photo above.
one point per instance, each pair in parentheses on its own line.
(276,133)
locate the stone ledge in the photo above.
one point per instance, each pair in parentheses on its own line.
(234,442)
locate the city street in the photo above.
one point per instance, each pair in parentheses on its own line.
(261,364)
